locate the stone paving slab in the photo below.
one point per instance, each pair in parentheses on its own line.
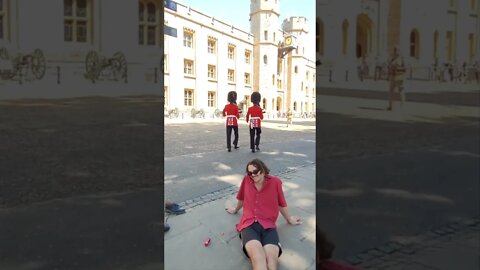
(210,220)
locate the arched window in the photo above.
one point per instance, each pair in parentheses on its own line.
(344,37)
(265,59)
(414,44)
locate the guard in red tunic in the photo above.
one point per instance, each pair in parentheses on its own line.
(254,118)
(231,113)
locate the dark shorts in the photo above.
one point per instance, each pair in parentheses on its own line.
(257,232)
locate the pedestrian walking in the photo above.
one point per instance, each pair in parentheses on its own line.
(289,117)
(232,114)
(397,77)
(261,197)
(254,118)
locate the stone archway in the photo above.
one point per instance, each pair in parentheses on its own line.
(364,39)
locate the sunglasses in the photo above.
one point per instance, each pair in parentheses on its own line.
(255,172)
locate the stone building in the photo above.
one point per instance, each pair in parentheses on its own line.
(55,38)
(207,57)
(426,32)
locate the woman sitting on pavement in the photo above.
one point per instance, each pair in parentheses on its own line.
(261,196)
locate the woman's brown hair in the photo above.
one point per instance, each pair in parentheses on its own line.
(257,163)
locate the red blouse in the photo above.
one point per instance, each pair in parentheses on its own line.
(263,205)
(231,112)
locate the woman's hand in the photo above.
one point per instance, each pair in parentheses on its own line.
(294,220)
(231,210)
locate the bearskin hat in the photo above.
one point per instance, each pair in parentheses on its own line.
(232,97)
(255,97)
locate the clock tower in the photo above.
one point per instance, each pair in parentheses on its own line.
(264,25)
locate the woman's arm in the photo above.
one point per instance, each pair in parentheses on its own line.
(234,210)
(294,220)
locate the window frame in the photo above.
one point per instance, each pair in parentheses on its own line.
(72,23)
(4,21)
(211,99)
(231,52)
(231,75)
(188,97)
(247,78)
(212,49)
(188,38)
(214,73)
(188,67)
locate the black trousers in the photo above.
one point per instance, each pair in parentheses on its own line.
(229,136)
(255,141)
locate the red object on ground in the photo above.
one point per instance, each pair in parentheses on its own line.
(207,242)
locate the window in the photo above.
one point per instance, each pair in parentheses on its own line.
(212,74)
(274,37)
(265,59)
(280,66)
(77,19)
(450,46)
(319,36)
(296,69)
(345,37)
(279,84)
(313,92)
(295,106)
(308,75)
(187,38)
(265,34)
(231,52)
(273,79)
(473,5)
(165,95)
(3,19)
(306,91)
(149,21)
(247,78)
(471,46)
(231,75)
(188,67)
(435,45)
(188,97)
(212,45)
(248,56)
(211,99)
(313,77)
(414,44)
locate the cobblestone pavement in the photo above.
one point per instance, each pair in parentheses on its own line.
(436,249)
(59,148)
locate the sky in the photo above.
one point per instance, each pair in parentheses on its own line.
(237,12)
